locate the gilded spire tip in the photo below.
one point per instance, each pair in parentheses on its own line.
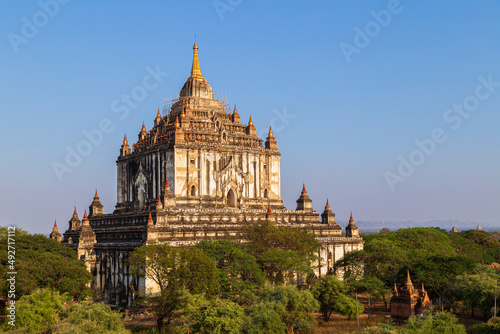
(195,68)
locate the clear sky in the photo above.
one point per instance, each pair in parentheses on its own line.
(390,109)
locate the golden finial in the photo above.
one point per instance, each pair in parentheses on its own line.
(270,132)
(85,214)
(158,115)
(187,103)
(250,123)
(177,124)
(351,216)
(235,111)
(195,69)
(96,194)
(125,142)
(143,128)
(183,114)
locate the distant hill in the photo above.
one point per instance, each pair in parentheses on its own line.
(373,226)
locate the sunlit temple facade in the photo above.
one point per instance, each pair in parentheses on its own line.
(198,173)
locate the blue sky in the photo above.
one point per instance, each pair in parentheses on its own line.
(350,88)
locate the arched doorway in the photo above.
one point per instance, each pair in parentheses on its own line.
(231,198)
(193,191)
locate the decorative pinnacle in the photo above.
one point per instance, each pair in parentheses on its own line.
(143,127)
(351,216)
(159,200)
(327,204)
(235,111)
(195,69)
(166,183)
(270,132)
(183,114)
(408,279)
(125,142)
(85,214)
(177,124)
(96,194)
(304,188)
(55,224)
(74,212)
(150,218)
(250,123)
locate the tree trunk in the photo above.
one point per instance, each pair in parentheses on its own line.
(369,305)
(159,324)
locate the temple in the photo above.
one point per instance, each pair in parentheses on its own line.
(408,300)
(198,173)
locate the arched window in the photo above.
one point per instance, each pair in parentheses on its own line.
(193,191)
(231,198)
(266,195)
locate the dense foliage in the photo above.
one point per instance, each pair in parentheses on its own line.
(332,295)
(263,285)
(442,261)
(173,269)
(41,262)
(47,311)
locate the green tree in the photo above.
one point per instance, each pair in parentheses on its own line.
(384,254)
(295,307)
(491,327)
(239,273)
(173,270)
(490,246)
(441,323)
(90,318)
(352,265)
(264,319)
(211,316)
(477,290)
(374,288)
(39,311)
(41,262)
(467,248)
(439,273)
(332,295)
(47,311)
(282,251)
